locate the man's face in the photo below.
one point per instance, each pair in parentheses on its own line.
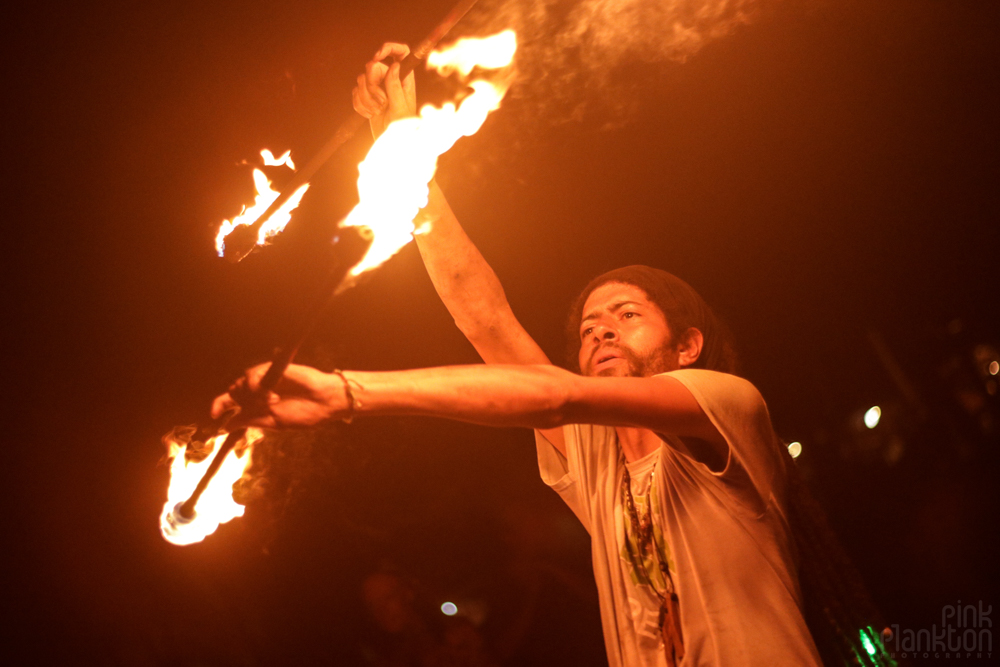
(623,333)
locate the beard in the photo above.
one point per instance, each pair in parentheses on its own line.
(636,365)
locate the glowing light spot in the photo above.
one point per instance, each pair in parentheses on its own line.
(994,367)
(867,642)
(872,416)
(449,609)
(795,448)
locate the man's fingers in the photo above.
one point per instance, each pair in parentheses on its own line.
(242,420)
(397,97)
(221,404)
(362,101)
(244,391)
(254,375)
(410,91)
(303,397)
(240,390)
(375,72)
(371,100)
(394,49)
(358,104)
(251,409)
(365,97)
(249,401)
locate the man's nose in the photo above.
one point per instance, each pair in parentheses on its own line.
(604,332)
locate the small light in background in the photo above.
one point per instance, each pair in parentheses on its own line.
(987,358)
(866,641)
(872,416)
(449,609)
(795,448)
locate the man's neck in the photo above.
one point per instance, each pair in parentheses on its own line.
(637,442)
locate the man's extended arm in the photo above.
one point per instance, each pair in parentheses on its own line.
(535,396)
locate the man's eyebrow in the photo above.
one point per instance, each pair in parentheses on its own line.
(615,308)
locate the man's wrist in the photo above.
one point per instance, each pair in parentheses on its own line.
(350,401)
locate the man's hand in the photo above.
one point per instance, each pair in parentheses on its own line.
(380,96)
(304,397)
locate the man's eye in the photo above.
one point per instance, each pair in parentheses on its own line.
(629,315)
(586,332)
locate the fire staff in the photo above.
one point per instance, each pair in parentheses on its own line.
(667,458)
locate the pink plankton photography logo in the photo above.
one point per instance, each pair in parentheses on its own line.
(966,632)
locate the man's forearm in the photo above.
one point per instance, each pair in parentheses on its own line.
(529,396)
(465,282)
(470,289)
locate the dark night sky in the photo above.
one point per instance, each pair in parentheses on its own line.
(827,172)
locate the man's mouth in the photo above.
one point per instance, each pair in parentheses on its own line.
(605,355)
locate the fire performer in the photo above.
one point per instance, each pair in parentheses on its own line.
(667,458)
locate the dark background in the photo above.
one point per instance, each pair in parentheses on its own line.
(825,177)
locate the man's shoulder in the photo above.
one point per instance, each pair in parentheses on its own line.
(716,385)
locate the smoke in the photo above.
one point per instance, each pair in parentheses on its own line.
(589,59)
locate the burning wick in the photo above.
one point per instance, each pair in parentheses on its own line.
(242,225)
(216,505)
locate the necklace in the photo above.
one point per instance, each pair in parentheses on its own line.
(642,528)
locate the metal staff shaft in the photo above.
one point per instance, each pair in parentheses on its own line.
(353,244)
(243,238)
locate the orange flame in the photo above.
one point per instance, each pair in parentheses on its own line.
(265,195)
(216,505)
(466,54)
(271,161)
(393,178)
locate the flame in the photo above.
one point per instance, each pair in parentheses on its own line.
(393,178)
(216,505)
(271,161)
(465,54)
(265,195)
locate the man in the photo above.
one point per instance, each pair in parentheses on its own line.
(667,459)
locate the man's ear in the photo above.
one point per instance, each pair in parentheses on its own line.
(689,347)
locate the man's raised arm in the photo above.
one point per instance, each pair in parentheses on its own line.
(466,284)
